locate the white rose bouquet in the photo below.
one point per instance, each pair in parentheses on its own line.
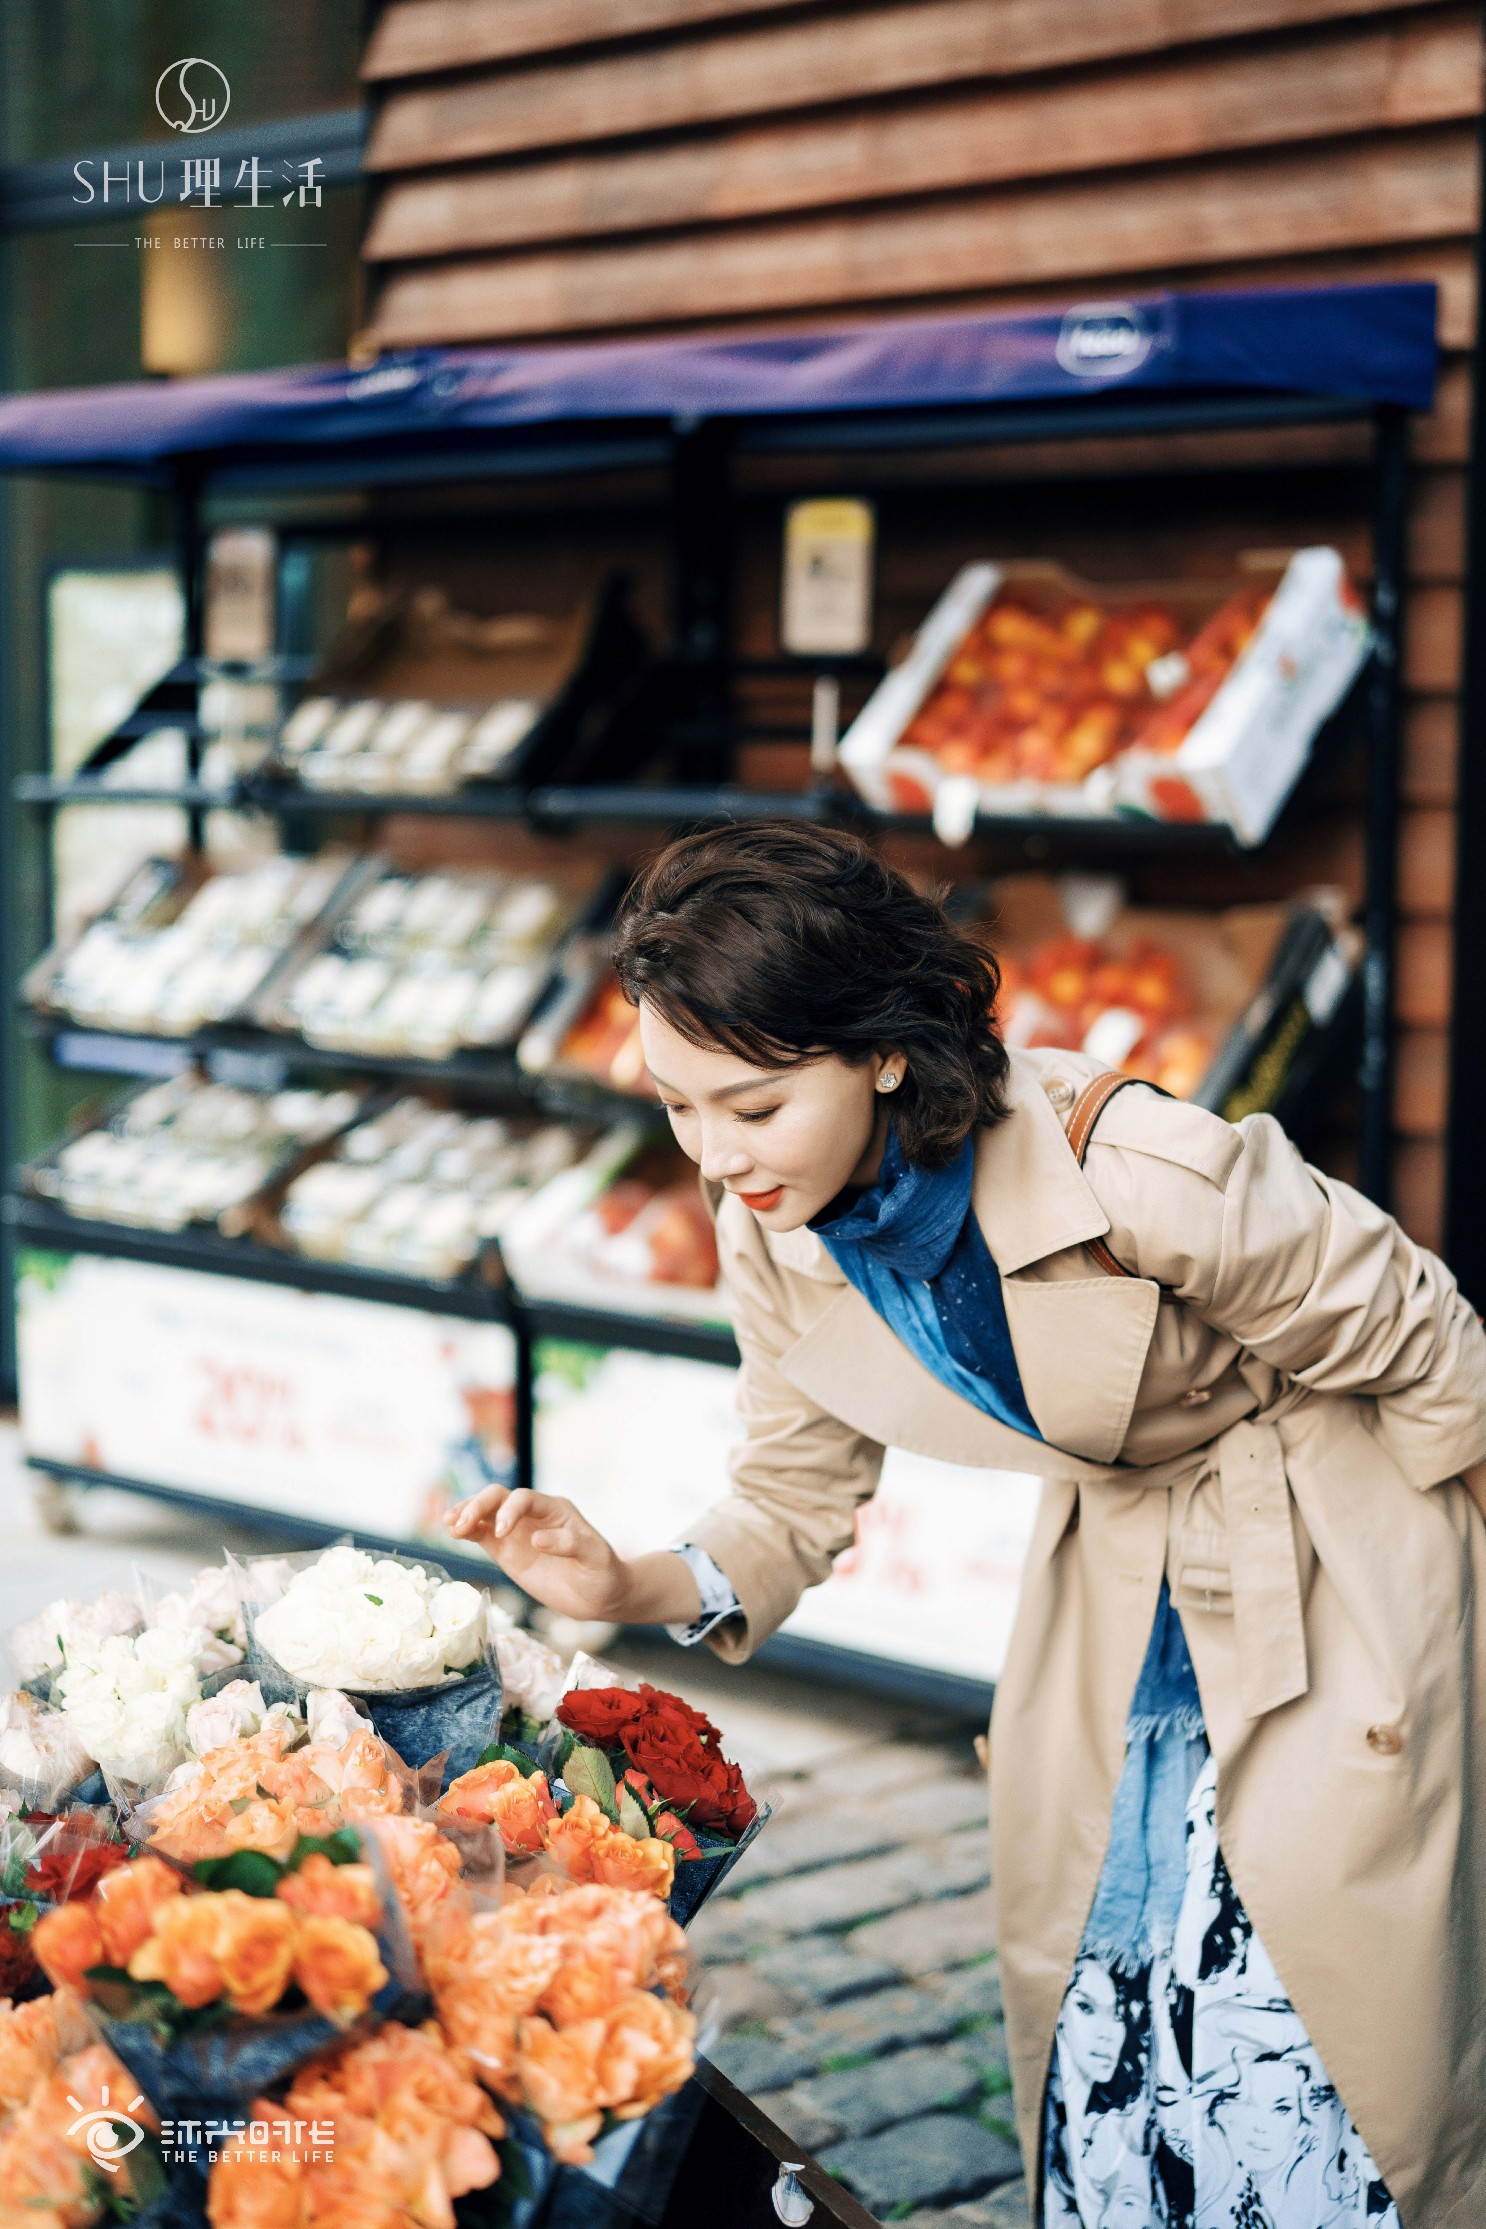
(209,1605)
(533,1678)
(40,1646)
(411,1644)
(124,1699)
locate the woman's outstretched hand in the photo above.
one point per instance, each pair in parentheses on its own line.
(555,1555)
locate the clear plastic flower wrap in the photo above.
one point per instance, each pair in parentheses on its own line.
(42,1762)
(207,1605)
(265,1775)
(410,1646)
(533,1678)
(38,1647)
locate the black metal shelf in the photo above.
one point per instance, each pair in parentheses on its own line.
(39,1223)
(1119,836)
(480,801)
(694,1342)
(91,1050)
(89,789)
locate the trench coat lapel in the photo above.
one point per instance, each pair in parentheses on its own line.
(1080,1342)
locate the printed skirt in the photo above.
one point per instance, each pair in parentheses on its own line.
(1184,2091)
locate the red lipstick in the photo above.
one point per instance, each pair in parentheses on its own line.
(761,1202)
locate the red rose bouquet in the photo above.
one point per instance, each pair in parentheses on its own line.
(655,1767)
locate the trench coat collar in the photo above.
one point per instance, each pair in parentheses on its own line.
(1032,1200)
(1030,1196)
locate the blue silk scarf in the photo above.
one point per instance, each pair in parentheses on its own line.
(912,1246)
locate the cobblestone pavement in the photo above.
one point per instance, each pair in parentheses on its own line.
(851,1950)
(851,1954)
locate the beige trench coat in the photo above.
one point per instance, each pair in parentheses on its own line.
(1274,1412)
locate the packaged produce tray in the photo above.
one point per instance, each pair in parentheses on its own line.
(1028,690)
(188,1151)
(184,943)
(1229,1009)
(418,1188)
(425,965)
(586,1031)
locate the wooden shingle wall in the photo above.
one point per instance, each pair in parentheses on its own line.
(585,167)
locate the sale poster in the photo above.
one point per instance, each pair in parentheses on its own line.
(348,1412)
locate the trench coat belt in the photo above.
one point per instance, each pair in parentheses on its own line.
(1268,1616)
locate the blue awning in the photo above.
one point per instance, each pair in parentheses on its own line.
(1362,344)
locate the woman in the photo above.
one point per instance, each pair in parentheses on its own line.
(1251,1590)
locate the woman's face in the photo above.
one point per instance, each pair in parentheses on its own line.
(1091,2025)
(784,1140)
(1263,2123)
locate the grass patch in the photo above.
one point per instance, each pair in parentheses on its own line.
(996,2125)
(901,2211)
(756,2028)
(845,2062)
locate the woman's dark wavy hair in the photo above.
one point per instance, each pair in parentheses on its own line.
(780,941)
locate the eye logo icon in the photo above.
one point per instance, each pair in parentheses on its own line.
(192,95)
(109,2133)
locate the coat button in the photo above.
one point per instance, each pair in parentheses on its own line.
(1385,1741)
(1194,1398)
(1059,1091)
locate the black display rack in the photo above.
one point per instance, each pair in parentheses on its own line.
(698,457)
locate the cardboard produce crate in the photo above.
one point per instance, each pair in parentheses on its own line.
(420,699)
(1234,1010)
(1028,690)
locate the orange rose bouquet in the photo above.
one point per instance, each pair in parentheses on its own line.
(259,1795)
(570,2003)
(72,2121)
(211,1991)
(406,2131)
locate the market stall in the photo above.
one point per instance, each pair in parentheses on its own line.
(324,1885)
(396,1211)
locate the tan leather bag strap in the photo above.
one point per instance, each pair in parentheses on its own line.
(1082,1116)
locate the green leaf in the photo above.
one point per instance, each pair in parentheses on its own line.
(501,1753)
(587,1772)
(632,1814)
(249,1870)
(375,1598)
(342,1848)
(23,1917)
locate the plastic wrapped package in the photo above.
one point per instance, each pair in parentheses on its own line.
(420,1189)
(422,965)
(411,1647)
(173,953)
(188,1151)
